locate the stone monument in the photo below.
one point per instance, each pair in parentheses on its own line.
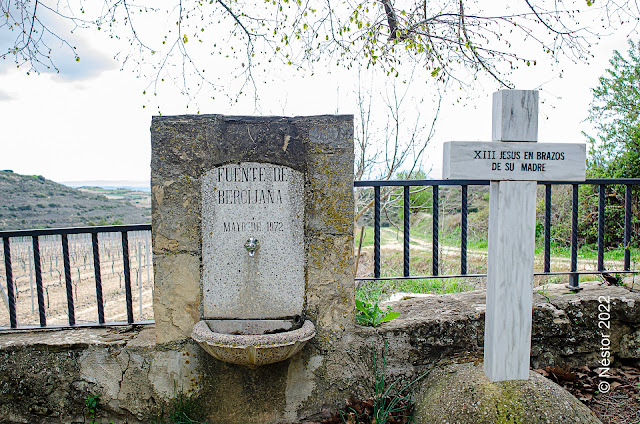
(253,254)
(513,161)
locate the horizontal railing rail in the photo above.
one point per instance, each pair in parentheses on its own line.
(64,233)
(573,272)
(376,186)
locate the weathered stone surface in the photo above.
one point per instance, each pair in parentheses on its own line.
(237,394)
(300,384)
(330,193)
(192,144)
(175,213)
(566,329)
(461,394)
(176,295)
(630,345)
(176,369)
(53,372)
(330,299)
(37,385)
(134,381)
(439,326)
(326,135)
(47,376)
(266,203)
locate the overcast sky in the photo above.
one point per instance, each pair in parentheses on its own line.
(88,121)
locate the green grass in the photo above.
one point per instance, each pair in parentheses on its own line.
(452,239)
(589,252)
(422,232)
(392,264)
(434,285)
(184,409)
(380,290)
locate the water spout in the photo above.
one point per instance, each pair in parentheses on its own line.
(252,245)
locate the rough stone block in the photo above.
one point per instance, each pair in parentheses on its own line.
(460,393)
(630,345)
(330,133)
(176,147)
(176,296)
(330,288)
(330,196)
(176,215)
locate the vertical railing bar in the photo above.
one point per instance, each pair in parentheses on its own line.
(39,286)
(30,256)
(601,217)
(627,227)
(147,255)
(406,230)
(127,276)
(434,239)
(376,233)
(140,278)
(547,228)
(13,321)
(98,277)
(463,232)
(67,279)
(574,279)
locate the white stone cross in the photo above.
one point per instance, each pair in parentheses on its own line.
(513,161)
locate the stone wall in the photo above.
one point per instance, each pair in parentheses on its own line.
(45,376)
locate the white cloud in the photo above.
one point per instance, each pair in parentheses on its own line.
(4,96)
(91,64)
(61,44)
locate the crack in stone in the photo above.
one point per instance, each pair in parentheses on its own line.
(124,372)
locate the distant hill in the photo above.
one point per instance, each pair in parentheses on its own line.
(30,201)
(111,184)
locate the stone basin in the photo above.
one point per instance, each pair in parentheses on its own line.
(252,342)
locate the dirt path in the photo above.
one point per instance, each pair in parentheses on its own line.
(558,263)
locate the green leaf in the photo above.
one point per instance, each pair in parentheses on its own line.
(363,320)
(361,306)
(391,315)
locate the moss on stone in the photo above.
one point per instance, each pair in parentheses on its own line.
(461,393)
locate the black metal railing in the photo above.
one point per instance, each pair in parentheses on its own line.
(64,236)
(573,271)
(406,185)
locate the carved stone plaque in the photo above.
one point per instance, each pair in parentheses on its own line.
(252,242)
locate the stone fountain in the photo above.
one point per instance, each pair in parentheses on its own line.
(253,239)
(253,258)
